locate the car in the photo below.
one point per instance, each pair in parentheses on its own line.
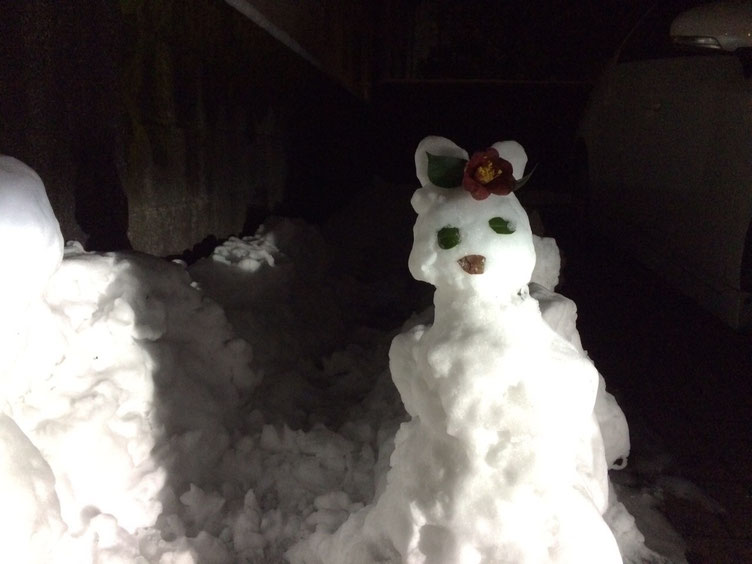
(664,151)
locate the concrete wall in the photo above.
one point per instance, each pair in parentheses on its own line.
(156,123)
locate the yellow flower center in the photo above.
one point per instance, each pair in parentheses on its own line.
(486,172)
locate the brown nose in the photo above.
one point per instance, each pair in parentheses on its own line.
(473,264)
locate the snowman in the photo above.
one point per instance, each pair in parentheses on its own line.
(503,459)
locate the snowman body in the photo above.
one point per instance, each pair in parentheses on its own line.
(502,460)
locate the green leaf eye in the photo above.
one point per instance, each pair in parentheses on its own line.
(445,172)
(448,237)
(501,226)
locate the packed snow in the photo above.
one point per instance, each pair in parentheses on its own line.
(249,408)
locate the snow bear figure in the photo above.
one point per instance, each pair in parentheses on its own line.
(503,460)
(507,259)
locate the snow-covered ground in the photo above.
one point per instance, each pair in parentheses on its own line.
(240,410)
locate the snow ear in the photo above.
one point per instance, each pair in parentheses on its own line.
(514,153)
(424,198)
(436,146)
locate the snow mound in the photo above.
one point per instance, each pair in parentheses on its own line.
(129,359)
(30,530)
(30,238)
(31,247)
(275,283)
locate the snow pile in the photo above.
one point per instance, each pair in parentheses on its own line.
(129,424)
(88,410)
(32,247)
(30,523)
(30,244)
(273,283)
(27,218)
(131,372)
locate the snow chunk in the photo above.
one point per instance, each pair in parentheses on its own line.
(30,238)
(31,247)
(547,262)
(248,253)
(30,522)
(202,509)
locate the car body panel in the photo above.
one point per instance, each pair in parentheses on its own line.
(669,148)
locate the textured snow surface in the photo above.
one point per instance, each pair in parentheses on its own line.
(243,410)
(31,248)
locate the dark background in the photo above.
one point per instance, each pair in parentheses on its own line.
(155,124)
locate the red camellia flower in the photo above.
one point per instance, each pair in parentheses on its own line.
(487,173)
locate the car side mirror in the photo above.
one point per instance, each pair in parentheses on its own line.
(721,26)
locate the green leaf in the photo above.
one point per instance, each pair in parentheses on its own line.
(522,181)
(445,172)
(448,237)
(501,226)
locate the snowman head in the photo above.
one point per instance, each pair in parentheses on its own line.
(465,243)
